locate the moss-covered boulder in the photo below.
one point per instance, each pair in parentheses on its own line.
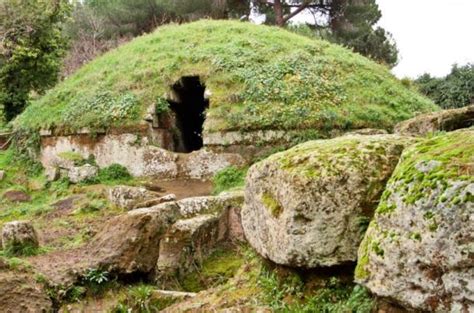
(419,248)
(309,206)
(256,78)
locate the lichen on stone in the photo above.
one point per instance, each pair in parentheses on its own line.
(423,226)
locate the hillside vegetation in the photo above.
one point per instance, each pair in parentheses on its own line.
(260,77)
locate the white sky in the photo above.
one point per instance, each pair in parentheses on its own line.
(431,34)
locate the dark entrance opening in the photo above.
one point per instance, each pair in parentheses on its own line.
(189,106)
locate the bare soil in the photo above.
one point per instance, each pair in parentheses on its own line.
(182,188)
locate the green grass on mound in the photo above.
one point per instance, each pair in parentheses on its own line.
(260,77)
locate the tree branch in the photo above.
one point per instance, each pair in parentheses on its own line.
(303,6)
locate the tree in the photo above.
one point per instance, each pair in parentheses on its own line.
(31,50)
(283,10)
(353,25)
(349,22)
(455,90)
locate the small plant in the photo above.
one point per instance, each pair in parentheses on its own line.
(162,106)
(140,299)
(75,293)
(96,276)
(228,178)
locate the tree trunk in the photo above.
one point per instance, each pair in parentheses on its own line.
(278,9)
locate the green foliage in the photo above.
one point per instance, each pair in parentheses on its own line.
(96,280)
(112,174)
(261,78)
(31,50)
(16,250)
(124,17)
(228,178)
(100,109)
(334,297)
(220,266)
(455,90)
(17,264)
(353,25)
(162,106)
(75,294)
(140,299)
(349,23)
(96,276)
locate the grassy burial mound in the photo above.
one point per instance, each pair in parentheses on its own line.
(246,77)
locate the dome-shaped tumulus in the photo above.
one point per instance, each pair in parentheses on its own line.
(245,77)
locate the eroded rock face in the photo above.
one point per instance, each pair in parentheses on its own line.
(135,152)
(19,234)
(77,174)
(446,120)
(205,164)
(419,248)
(129,243)
(306,207)
(208,221)
(19,292)
(186,243)
(194,206)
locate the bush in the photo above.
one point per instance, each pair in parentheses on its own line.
(228,178)
(113,173)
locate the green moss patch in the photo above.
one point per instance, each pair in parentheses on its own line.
(272,204)
(450,157)
(219,267)
(260,77)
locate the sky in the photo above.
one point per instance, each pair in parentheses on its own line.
(431,35)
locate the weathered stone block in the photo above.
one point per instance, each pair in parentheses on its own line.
(304,207)
(18,235)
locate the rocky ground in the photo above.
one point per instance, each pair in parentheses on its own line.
(360,223)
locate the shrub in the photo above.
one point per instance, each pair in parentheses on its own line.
(112,174)
(228,178)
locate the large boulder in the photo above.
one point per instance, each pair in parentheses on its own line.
(77,174)
(419,248)
(18,236)
(447,120)
(129,197)
(129,243)
(307,206)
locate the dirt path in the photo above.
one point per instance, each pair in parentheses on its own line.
(182,188)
